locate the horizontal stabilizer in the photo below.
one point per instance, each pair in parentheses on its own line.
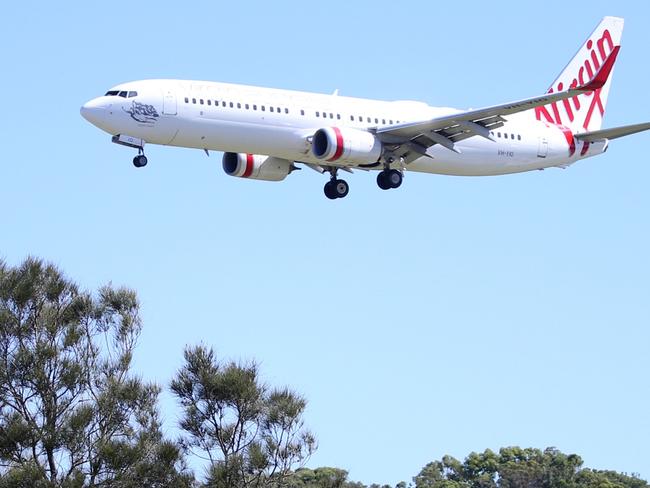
(613,133)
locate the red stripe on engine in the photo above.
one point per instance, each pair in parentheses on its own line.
(569,139)
(585,148)
(249,166)
(339,144)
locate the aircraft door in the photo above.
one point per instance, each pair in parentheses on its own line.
(542,150)
(169,103)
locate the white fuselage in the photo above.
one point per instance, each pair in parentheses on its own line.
(246,119)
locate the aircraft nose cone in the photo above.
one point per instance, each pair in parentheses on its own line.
(94,111)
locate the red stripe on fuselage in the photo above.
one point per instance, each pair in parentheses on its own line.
(249,166)
(339,144)
(569,139)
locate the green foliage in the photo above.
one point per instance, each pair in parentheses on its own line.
(252,435)
(318,478)
(71,415)
(515,467)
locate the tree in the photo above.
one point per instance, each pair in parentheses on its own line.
(250,434)
(71,414)
(515,467)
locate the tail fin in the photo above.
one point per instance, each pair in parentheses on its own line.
(585,112)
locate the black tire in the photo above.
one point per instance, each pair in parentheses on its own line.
(341,188)
(140,161)
(382,181)
(330,191)
(394,178)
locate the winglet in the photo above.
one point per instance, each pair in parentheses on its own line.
(601,76)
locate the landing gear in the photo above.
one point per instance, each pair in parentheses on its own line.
(140,161)
(336,189)
(389,178)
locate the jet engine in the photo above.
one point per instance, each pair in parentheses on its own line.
(256,167)
(346,145)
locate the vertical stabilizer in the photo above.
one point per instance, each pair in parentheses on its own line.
(585,112)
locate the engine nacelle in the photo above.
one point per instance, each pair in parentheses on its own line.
(346,145)
(255,166)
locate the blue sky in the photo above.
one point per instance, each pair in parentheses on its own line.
(452,315)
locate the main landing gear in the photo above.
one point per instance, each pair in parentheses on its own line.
(336,188)
(389,178)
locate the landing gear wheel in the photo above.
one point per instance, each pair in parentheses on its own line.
(140,161)
(330,190)
(382,181)
(389,178)
(336,189)
(394,178)
(341,188)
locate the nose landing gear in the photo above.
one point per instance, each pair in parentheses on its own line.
(140,161)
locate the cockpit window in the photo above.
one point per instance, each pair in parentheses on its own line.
(123,94)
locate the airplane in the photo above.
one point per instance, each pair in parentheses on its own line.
(265,133)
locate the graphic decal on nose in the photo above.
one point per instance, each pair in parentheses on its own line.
(145,114)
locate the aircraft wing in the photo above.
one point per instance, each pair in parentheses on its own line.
(450,129)
(613,133)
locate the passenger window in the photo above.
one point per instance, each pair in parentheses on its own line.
(519,137)
(383,121)
(376,121)
(247,107)
(360,118)
(232,105)
(302,112)
(279,111)
(286,110)
(271,109)
(193,100)
(201,101)
(254,107)
(187,100)
(352,118)
(238,105)
(209,102)
(338,116)
(263,108)
(391,122)
(317,114)
(369,120)
(331,115)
